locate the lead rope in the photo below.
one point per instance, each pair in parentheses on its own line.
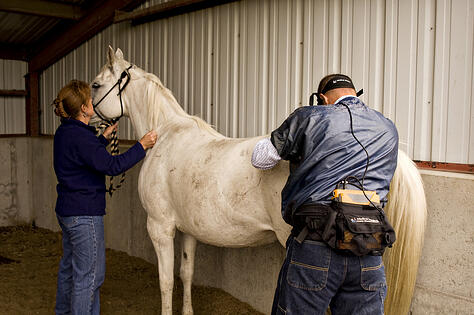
(114,151)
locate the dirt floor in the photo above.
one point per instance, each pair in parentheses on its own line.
(29,260)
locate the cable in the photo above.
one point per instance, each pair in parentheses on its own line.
(366,153)
(361,183)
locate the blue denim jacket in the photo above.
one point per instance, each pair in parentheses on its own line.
(81,162)
(317,141)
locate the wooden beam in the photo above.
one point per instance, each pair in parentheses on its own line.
(13,52)
(43,8)
(13,93)
(166,9)
(442,166)
(99,18)
(32,104)
(11,135)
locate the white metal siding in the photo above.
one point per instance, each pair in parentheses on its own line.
(453,110)
(12,109)
(244,66)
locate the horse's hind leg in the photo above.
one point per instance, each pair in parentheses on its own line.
(188,249)
(163,241)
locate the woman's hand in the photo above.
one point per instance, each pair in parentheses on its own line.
(148,140)
(108,131)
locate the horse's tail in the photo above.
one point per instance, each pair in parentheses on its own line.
(406,211)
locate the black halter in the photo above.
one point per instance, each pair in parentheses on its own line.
(124,74)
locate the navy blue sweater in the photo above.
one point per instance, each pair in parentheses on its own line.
(81,162)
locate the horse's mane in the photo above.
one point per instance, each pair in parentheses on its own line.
(157,93)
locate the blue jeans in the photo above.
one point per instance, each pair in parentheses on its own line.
(314,276)
(82,267)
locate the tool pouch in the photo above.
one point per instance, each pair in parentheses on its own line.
(360,230)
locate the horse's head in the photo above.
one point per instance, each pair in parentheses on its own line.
(108,86)
(121,88)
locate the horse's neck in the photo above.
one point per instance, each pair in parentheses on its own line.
(152,107)
(139,123)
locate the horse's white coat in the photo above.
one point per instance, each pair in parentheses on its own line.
(194,179)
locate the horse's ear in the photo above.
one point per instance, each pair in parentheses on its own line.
(118,54)
(110,56)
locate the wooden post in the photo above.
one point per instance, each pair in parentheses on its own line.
(32,104)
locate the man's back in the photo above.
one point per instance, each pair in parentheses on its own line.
(318,142)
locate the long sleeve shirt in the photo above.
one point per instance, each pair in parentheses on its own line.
(264,155)
(81,162)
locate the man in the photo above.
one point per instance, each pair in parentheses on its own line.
(326,146)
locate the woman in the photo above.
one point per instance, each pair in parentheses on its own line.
(81,162)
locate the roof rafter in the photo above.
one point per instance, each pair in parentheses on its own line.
(43,8)
(166,9)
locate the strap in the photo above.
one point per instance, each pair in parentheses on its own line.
(311,99)
(302,235)
(312,209)
(123,75)
(309,212)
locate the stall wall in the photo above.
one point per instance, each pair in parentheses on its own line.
(16,181)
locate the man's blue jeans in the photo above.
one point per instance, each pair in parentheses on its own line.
(314,276)
(82,267)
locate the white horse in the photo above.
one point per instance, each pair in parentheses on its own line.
(203,184)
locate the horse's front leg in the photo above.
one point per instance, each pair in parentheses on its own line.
(162,237)
(188,249)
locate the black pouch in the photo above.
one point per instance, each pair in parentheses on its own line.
(309,221)
(360,230)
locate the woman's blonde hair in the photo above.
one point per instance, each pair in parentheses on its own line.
(70,98)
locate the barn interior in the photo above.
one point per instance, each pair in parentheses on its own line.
(243,66)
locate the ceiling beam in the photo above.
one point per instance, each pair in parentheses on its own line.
(95,21)
(166,9)
(43,8)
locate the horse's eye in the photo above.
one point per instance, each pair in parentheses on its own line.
(95,85)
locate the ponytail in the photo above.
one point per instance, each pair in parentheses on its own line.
(59,108)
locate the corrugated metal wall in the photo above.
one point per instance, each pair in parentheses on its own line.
(244,66)
(12,109)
